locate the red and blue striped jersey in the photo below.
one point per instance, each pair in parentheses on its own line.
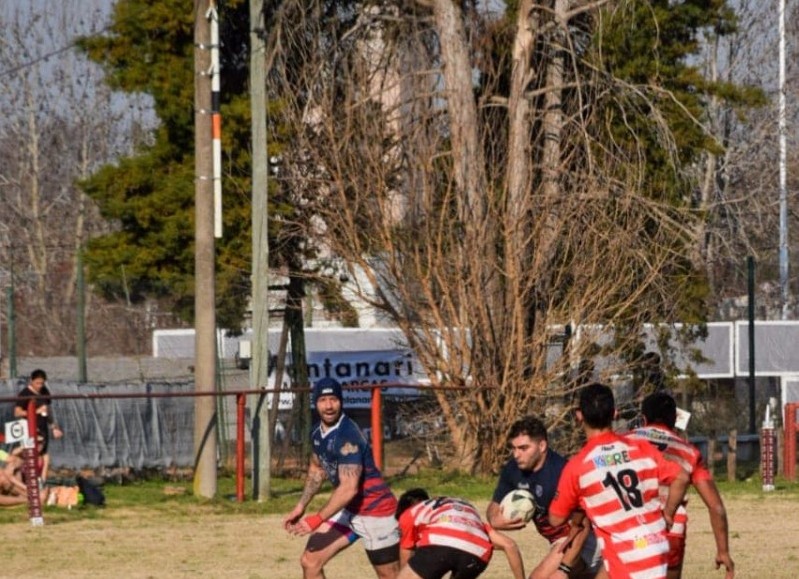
(345,444)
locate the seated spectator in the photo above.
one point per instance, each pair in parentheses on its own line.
(10,466)
(12,489)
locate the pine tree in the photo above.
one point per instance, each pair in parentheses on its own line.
(149,196)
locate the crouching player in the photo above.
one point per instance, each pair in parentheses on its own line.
(660,414)
(443,535)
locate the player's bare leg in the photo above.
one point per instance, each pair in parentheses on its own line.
(408,573)
(322,546)
(387,570)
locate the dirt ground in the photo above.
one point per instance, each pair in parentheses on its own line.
(764,540)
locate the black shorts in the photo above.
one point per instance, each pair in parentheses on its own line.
(44,442)
(434,562)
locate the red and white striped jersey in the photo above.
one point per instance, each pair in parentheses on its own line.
(446,522)
(679,450)
(615,480)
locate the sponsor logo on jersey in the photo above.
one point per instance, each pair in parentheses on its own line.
(611,459)
(348,448)
(649,539)
(656,435)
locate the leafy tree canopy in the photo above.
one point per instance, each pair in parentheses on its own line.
(149,196)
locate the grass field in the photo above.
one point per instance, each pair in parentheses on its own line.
(147,530)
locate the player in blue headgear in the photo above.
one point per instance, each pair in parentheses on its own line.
(329,401)
(361,505)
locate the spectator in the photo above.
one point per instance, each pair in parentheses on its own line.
(38,391)
(12,490)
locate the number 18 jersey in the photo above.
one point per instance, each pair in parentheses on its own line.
(615,481)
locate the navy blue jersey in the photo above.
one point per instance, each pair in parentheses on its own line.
(345,444)
(542,484)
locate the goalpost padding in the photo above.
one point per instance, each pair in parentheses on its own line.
(789,446)
(768,443)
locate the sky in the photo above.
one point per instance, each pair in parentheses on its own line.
(38,53)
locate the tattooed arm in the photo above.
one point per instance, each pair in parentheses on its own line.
(349,476)
(313,482)
(349,479)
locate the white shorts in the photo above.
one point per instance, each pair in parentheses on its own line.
(377,532)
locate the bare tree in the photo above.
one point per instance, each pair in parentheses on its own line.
(487,223)
(59,124)
(738,185)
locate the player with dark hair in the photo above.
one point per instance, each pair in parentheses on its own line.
(443,535)
(536,468)
(660,415)
(615,480)
(361,504)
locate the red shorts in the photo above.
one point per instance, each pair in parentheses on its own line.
(676,551)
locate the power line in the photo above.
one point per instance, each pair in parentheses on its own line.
(114,21)
(70,46)
(35,61)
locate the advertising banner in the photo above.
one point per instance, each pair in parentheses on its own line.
(358,369)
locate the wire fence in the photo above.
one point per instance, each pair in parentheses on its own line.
(150,426)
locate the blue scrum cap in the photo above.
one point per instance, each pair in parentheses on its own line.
(327,387)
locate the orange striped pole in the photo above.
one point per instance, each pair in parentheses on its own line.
(216,118)
(377,426)
(241,404)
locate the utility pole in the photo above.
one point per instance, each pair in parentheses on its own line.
(750,270)
(11,321)
(784,289)
(259,365)
(81,322)
(204,294)
(299,359)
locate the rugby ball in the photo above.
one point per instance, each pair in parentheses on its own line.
(518,504)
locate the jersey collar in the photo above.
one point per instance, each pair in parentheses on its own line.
(326,431)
